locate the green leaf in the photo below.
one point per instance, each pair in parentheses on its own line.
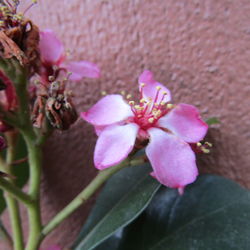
(212,120)
(213,213)
(123,198)
(21,171)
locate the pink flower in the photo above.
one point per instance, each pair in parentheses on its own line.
(53,55)
(170,129)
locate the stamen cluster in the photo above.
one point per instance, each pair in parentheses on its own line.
(9,17)
(148,112)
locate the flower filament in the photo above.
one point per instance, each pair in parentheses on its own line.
(149,110)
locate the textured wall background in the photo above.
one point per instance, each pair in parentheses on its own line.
(199,48)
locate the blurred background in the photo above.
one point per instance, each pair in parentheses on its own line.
(200,49)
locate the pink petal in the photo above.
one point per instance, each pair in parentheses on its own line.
(181,190)
(150,88)
(110,109)
(172,159)
(99,129)
(51,47)
(153,174)
(184,121)
(82,69)
(114,144)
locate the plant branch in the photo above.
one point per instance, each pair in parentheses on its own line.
(12,203)
(15,191)
(25,126)
(94,185)
(34,159)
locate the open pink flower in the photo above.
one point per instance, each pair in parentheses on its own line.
(53,55)
(169,128)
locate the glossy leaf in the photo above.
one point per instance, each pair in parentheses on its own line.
(123,198)
(213,213)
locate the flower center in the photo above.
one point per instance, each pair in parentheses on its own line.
(150,110)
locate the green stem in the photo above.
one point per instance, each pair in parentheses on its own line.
(87,193)
(35,224)
(34,152)
(18,76)
(15,219)
(12,203)
(15,192)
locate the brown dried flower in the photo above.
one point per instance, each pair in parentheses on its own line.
(19,37)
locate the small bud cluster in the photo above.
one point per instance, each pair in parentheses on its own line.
(19,37)
(54,103)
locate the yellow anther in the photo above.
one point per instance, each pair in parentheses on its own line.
(131,103)
(151,120)
(205,150)
(208,144)
(104,92)
(198,144)
(128,96)
(138,107)
(164,93)
(162,103)
(158,87)
(157,113)
(143,85)
(18,16)
(34,1)
(143,100)
(122,92)
(170,105)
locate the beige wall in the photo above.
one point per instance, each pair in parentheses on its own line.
(199,48)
